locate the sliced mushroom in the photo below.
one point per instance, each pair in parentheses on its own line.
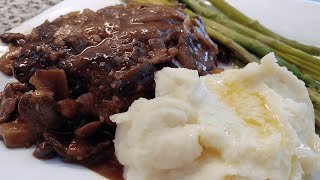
(17,134)
(40,109)
(54,80)
(87,130)
(8,106)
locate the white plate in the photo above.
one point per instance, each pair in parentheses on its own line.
(296,19)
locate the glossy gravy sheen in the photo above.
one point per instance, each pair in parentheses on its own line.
(110,169)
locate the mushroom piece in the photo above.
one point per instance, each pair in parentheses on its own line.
(17,134)
(54,80)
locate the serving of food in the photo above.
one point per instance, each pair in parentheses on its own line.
(138,91)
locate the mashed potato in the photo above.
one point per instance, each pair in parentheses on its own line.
(251,123)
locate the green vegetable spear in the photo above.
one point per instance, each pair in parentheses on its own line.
(239,17)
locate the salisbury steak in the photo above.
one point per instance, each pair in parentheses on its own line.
(78,70)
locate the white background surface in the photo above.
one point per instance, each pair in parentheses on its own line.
(296,19)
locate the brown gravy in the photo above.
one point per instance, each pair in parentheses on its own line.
(110,169)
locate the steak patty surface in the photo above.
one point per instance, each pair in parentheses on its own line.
(81,68)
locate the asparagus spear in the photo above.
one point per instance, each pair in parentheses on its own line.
(315,98)
(307,79)
(261,50)
(237,16)
(306,69)
(205,11)
(254,46)
(239,51)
